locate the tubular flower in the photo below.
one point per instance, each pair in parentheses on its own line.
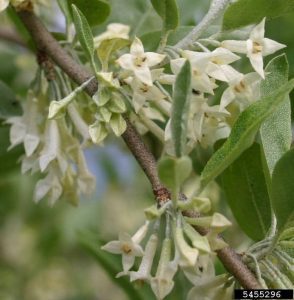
(139,62)
(255,47)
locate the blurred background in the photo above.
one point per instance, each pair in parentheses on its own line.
(52,253)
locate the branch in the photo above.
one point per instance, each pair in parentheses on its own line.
(79,74)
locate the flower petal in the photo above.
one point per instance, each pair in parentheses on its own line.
(235,46)
(126,61)
(113,247)
(153,58)
(127,261)
(271,46)
(257,33)
(257,63)
(137,48)
(144,75)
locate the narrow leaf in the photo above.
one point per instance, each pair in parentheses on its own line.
(168,11)
(84,32)
(246,192)
(96,11)
(244,12)
(180,107)
(243,132)
(275,132)
(283,190)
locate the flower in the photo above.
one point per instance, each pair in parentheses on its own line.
(139,62)
(255,47)
(143,92)
(143,274)
(200,81)
(162,284)
(187,255)
(212,62)
(128,246)
(242,88)
(49,185)
(3,4)
(114,31)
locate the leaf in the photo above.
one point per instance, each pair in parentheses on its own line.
(174,171)
(152,39)
(95,11)
(168,11)
(180,107)
(84,32)
(246,192)
(243,132)
(9,159)
(283,190)
(275,132)
(9,105)
(246,12)
(109,263)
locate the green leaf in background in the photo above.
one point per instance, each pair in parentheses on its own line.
(174,171)
(243,132)
(283,190)
(246,12)
(84,32)
(152,39)
(275,132)
(9,159)
(95,11)
(180,108)
(9,105)
(246,192)
(110,264)
(168,11)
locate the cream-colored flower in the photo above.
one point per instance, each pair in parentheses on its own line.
(139,62)
(212,63)
(114,31)
(187,255)
(128,246)
(244,89)
(143,92)
(255,47)
(162,284)
(3,4)
(24,129)
(143,274)
(200,80)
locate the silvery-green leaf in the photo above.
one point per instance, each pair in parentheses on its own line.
(180,108)
(283,190)
(275,132)
(168,11)
(243,132)
(118,124)
(245,12)
(98,132)
(246,193)
(96,11)
(84,32)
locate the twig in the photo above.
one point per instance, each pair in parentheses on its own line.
(79,74)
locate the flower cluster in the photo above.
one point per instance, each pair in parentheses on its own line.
(51,148)
(207,121)
(182,247)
